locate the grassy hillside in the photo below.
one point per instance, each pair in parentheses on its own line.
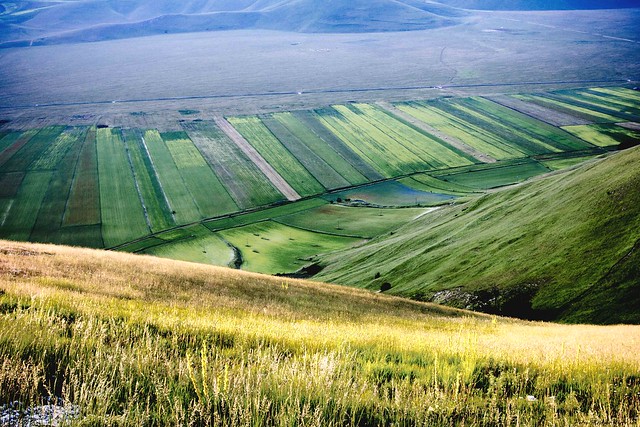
(127,340)
(561,247)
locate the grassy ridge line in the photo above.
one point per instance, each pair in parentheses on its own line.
(144,341)
(537,246)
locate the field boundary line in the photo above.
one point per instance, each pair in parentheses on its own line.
(272,175)
(485,158)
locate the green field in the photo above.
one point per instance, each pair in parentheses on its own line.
(351,221)
(428,183)
(599,103)
(62,159)
(270,247)
(197,244)
(83,204)
(501,175)
(123,217)
(605,135)
(327,157)
(264,214)
(157,209)
(246,184)
(181,201)
(313,121)
(568,106)
(277,155)
(20,213)
(208,193)
(386,143)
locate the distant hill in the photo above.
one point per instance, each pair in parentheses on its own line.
(35,22)
(541,4)
(565,247)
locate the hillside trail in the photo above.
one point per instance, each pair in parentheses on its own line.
(435,132)
(276,179)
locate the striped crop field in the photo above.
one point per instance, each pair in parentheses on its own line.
(211,197)
(321,170)
(566,106)
(270,247)
(530,135)
(325,159)
(62,159)
(56,150)
(466,131)
(600,103)
(123,217)
(277,155)
(246,184)
(83,204)
(390,146)
(605,135)
(181,201)
(21,212)
(155,202)
(27,149)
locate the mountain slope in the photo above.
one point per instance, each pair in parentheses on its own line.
(119,339)
(564,247)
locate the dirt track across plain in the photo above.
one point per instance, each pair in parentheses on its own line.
(276,179)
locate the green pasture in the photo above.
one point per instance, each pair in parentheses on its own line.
(197,245)
(351,221)
(391,194)
(270,247)
(495,177)
(264,214)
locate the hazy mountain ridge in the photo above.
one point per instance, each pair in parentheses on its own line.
(29,23)
(42,22)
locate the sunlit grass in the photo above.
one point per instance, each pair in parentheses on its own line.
(141,341)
